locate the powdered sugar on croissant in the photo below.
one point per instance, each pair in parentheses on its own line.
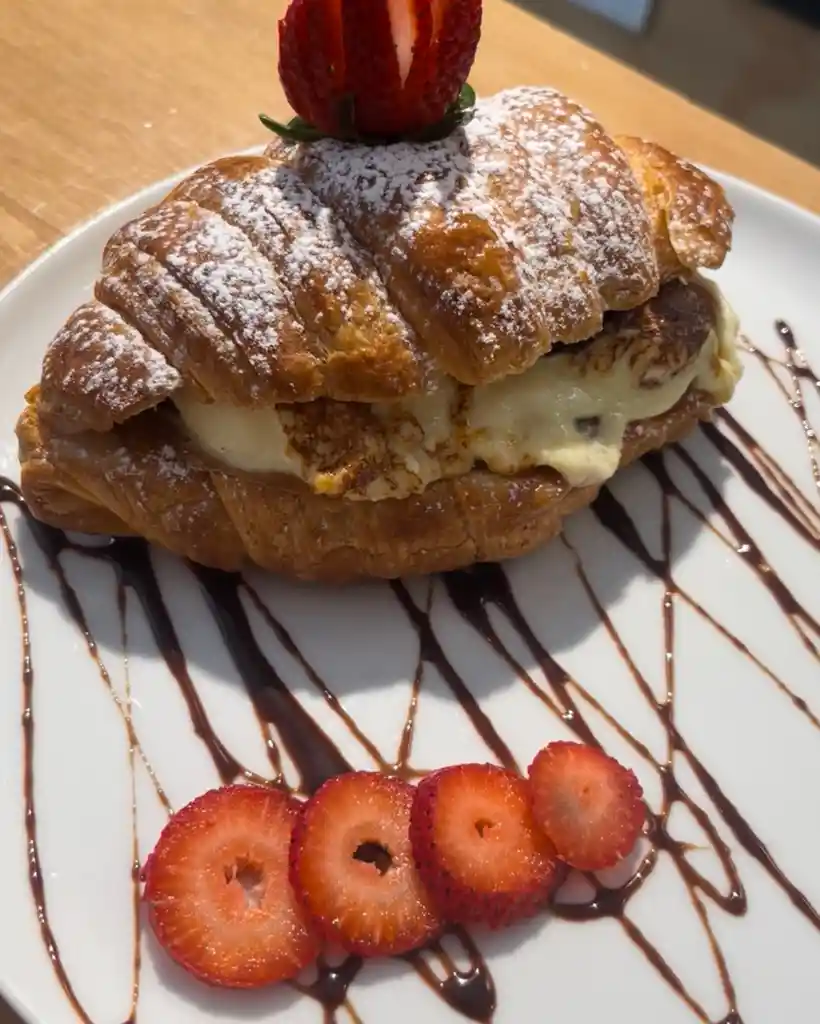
(517,232)
(331,326)
(364,273)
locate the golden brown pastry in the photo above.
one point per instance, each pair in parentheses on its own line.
(341,360)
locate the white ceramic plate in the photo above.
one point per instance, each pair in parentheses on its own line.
(746,690)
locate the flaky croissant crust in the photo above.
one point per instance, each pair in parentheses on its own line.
(360,275)
(365,273)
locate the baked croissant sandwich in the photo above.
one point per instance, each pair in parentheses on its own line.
(341,360)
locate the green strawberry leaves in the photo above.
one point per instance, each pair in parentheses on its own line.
(298,130)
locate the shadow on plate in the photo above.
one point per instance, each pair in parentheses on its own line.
(359,638)
(264,1003)
(235,1004)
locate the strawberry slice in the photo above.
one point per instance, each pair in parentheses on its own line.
(217,891)
(477,847)
(352,866)
(589,805)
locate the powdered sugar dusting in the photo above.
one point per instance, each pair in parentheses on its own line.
(312,250)
(543,176)
(576,167)
(699,220)
(329,269)
(282,215)
(156,462)
(388,196)
(175,320)
(235,282)
(98,356)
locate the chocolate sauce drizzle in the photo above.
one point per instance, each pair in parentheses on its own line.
(470,992)
(331,987)
(283,721)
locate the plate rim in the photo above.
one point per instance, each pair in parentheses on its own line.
(11,990)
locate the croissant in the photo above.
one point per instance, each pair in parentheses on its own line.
(337,360)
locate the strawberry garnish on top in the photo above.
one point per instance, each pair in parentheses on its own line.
(217,891)
(477,846)
(352,866)
(376,69)
(589,805)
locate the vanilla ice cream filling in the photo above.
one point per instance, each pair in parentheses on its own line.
(558,414)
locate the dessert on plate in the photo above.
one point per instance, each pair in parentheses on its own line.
(414,334)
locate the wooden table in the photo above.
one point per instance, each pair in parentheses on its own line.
(100,99)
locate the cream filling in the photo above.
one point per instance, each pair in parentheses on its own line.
(538,419)
(555,414)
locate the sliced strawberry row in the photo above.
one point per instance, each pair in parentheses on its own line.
(246,883)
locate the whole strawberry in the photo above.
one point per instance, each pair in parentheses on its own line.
(376,68)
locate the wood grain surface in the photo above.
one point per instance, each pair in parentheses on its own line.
(100,99)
